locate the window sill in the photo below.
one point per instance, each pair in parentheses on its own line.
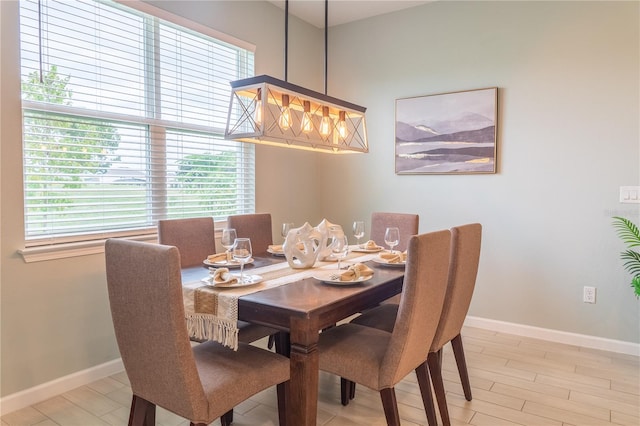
(75,249)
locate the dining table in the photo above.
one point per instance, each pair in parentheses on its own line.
(301,309)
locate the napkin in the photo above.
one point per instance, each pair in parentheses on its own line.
(370,245)
(394,257)
(356,271)
(219,257)
(223,276)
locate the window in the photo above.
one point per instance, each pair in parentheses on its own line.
(124,118)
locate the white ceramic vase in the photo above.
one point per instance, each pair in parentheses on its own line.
(327,230)
(301,246)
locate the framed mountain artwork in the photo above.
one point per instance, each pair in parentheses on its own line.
(447,133)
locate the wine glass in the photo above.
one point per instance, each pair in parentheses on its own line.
(358,230)
(392,237)
(339,247)
(242,253)
(228,238)
(286,227)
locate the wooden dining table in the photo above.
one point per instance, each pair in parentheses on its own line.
(300,310)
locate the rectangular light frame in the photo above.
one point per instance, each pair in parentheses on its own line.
(256,107)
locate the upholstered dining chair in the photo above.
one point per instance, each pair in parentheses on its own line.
(256,226)
(195,240)
(407,223)
(379,359)
(463,269)
(199,383)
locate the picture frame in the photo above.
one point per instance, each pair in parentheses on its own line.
(447,133)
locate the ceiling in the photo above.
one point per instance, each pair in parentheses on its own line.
(343,11)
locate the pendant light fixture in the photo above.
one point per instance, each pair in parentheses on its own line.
(268,111)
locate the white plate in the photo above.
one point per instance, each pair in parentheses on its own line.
(248,280)
(364,250)
(275,253)
(226,264)
(385,263)
(325,277)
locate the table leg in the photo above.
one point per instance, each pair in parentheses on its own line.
(304,372)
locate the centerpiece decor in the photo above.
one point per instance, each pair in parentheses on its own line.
(302,246)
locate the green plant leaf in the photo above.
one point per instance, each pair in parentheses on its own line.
(627,231)
(632,264)
(635,283)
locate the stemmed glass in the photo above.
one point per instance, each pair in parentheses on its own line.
(286,227)
(242,253)
(228,238)
(392,237)
(339,247)
(358,230)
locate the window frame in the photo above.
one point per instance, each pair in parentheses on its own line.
(56,247)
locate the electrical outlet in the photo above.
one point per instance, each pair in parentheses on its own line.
(589,294)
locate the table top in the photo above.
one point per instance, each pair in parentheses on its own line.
(309,297)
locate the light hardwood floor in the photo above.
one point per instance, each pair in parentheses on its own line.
(515,381)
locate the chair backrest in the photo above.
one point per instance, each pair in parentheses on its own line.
(255,226)
(463,269)
(194,238)
(425,283)
(145,295)
(407,224)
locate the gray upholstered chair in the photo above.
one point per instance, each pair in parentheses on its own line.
(408,225)
(465,256)
(255,226)
(379,359)
(200,383)
(195,240)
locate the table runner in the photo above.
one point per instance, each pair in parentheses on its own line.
(212,313)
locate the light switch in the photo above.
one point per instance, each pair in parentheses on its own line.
(630,194)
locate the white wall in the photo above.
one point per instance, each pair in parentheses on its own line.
(568,79)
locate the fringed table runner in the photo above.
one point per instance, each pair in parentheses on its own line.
(212,313)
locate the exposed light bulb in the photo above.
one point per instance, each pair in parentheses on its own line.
(306,125)
(257,115)
(325,124)
(285,116)
(342,125)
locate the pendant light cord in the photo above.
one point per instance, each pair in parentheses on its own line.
(40,41)
(286,38)
(326,43)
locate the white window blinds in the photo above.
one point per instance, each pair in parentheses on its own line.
(124,117)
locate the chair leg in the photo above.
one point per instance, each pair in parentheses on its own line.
(458,352)
(422,373)
(142,413)
(283,396)
(435,370)
(271,342)
(390,405)
(345,390)
(227,418)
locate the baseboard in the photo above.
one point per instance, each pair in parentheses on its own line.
(58,386)
(583,340)
(48,390)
